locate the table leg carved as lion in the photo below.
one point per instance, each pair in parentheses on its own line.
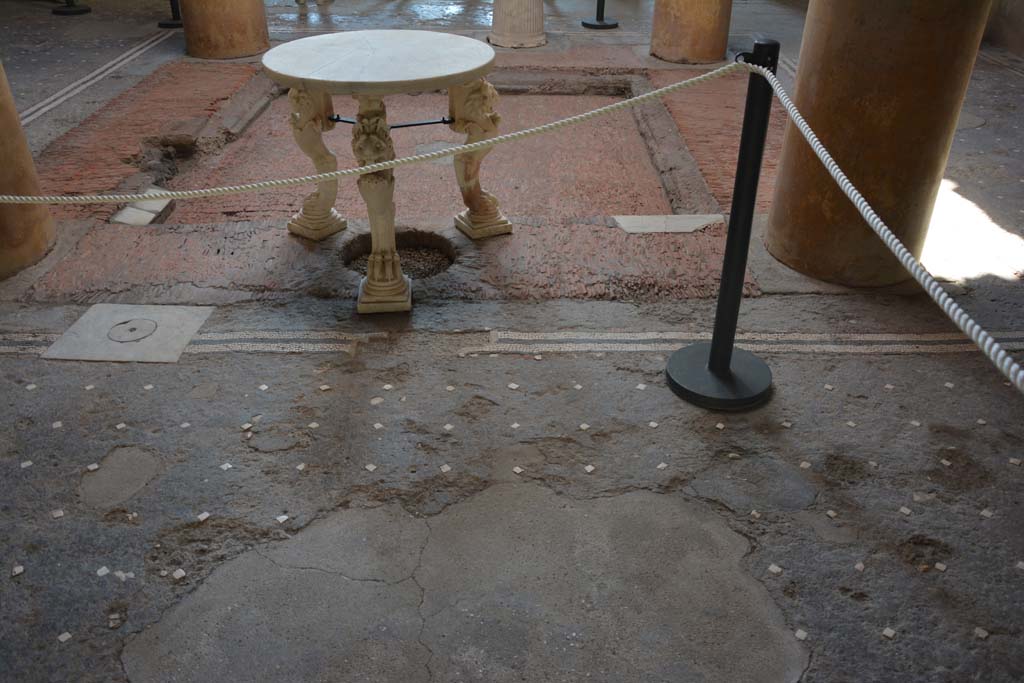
(471,106)
(384,288)
(310,118)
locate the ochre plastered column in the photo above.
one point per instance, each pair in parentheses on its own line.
(26,230)
(518,23)
(691,31)
(224,29)
(881,83)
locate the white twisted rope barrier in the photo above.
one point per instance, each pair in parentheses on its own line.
(372,168)
(989,346)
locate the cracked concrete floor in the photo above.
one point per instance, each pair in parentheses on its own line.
(515,583)
(632,571)
(654,559)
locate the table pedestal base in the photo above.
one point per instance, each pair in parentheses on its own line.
(480,229)
(398,302)
(317,229)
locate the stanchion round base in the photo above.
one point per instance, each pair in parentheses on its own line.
(72,10)
(600,23)
(689,377)
(170,23)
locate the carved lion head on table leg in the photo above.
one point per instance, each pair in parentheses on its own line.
(371,139)
(311,107)
(473,109)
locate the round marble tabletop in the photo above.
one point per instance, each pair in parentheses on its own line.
(379,62)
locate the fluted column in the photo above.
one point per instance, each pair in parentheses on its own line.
(518,23)
(27,231)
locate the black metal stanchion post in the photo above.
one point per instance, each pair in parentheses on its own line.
(716,375)
(599,21)
(175,20)
(71,8)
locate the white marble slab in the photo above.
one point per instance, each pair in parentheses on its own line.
(379,62)
(130,215)
(143,334)
(673,223)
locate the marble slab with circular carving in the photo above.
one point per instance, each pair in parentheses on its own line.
(128,333)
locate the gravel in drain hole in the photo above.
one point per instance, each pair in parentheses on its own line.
(417,262)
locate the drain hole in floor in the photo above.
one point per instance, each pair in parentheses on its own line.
(423,254)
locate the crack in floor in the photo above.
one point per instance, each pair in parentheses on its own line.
(411,577)
(423,599)
(432,671)
(329,571)
(810,661)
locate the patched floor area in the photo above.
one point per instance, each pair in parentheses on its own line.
(114,146)
(514,583)
(867,495)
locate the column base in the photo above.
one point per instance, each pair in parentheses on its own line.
(517,41)
(391,303)
(317,229)
(481,229)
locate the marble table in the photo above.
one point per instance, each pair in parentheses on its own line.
(369,65)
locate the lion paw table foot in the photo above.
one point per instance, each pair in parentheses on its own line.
(479,228)
(317,228)
(397,301)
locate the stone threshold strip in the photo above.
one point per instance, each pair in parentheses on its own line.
(281,341)
(531,343)
(795,342)
(1005,60)
(61,96)
(26,343)
(243,341)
